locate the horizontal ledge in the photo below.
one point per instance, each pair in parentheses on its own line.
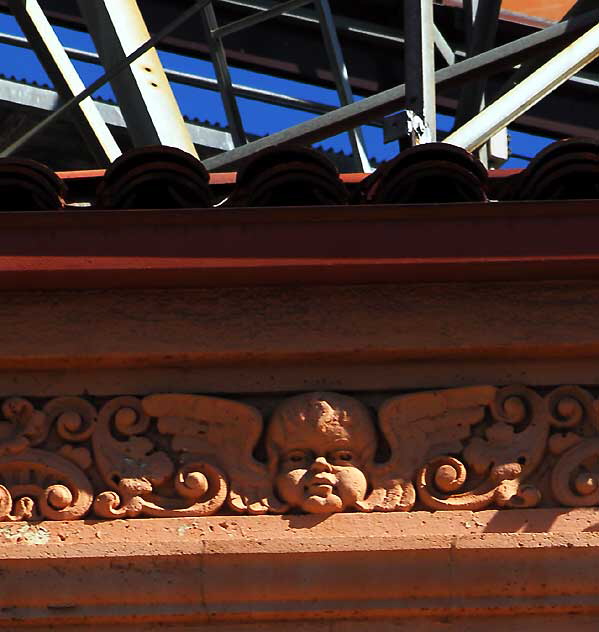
(214,380)
(270,567)
(370,213)
(27,273)
(376,359)
(287,246)
(300,533)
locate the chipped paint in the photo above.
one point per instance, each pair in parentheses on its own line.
(28,533)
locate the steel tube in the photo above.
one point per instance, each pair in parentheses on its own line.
(522,97)
(105,78)
(196,81)
(66,80)
(481,27)
(443,47)
(219,61)
(335,55)
(419,62)
(386,102)
(256,18)
(142,89)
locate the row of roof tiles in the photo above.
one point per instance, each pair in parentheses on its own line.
(164,177)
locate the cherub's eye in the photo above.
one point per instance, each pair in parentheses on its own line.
(341,457)
(296,456)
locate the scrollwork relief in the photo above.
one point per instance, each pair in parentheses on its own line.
(169,455)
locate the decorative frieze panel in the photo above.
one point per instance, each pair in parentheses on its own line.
(191,455)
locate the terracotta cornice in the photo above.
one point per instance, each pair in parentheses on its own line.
(181,455)
(331,245)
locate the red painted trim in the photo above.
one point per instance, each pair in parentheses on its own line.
(46,273)
(215,178)
(231,177)
(361,244)
(223,178)
(77,175)
(353,178)
(503,173)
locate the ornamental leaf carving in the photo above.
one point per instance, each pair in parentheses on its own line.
(21,426)
(222,433)
(168,455)
(419,429)
(575,476)
(37,484)
(132,467)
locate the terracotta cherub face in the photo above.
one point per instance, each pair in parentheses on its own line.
(319,445)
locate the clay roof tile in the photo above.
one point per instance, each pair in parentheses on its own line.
(27,185)
(288,176)
(155,177)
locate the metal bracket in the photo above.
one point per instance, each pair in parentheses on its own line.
(419,63)
(407,127)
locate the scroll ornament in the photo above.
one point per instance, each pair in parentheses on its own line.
(169,455)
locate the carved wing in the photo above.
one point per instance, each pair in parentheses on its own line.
(419,427)
(223,433)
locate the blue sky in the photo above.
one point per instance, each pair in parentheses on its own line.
(258,118)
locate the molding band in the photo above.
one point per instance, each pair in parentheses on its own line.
(169,455)
(275,568)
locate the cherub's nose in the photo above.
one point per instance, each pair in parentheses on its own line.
(321,465)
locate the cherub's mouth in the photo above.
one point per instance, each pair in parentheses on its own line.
(319,490)
(320,485)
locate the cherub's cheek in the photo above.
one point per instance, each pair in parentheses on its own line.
(351,485)
(290,486)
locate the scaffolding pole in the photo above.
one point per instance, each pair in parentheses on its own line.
(66,80)
(337,63)
(419,63)
(104,78)
(221,69)
(522,97)
(383,103)
(143,92)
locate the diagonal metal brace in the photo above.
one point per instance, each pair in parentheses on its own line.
(221,69)
(522,97)
(143,92)
(104,78)
(340,74)
(64,76)
(391,100)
